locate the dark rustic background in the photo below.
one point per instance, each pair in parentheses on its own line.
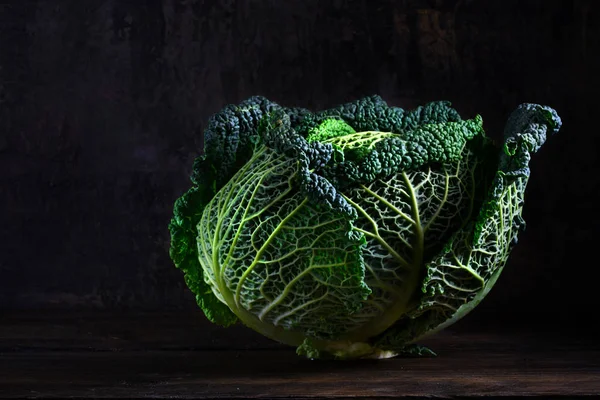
(102,106)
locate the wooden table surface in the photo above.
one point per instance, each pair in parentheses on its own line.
(53,355)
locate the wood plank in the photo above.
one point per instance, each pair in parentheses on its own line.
(281,374)
(134,331)
(175,355)
(85,330)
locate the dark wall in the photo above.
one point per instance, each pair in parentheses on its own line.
(102,106)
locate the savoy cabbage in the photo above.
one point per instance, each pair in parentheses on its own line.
(354,231)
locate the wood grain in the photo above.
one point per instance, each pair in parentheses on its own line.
(181,356)
(463,372)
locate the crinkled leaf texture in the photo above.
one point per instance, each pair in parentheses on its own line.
(355,231)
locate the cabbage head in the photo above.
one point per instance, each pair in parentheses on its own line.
(355,231)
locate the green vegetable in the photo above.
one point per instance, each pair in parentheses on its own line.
(355,231)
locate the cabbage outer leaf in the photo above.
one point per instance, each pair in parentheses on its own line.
(469,265)
(280,261)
